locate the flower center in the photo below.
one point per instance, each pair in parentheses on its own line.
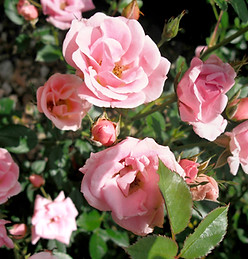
(50,104)
(63,5)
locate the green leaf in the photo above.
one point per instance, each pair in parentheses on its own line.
(38,166)
(153,247)
(156,124)
(17,138)
(177,196)
(6,106)
(222,4)
(89,221)
(118,237)
(11,11)
(48,53)
(97,246)
(241,9)
(207,235)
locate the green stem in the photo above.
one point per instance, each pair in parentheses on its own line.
(172,98)
(225,41)
(44,192)
(35,4)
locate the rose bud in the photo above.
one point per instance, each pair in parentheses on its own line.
(18,231)
(190,168)
(104,132)
(239,108)
(131,11)
(36,180)
(28,11)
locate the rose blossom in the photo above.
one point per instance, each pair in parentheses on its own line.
(62,12)
(9,173)
(60,101)
(53,219)
(121,66)
(27,10)
(190,168)
(238,147)
(241,112)
(124,179)
(104,132)
(43,255)
(18,231)
(36,180)
(208,190)
(4,239)
(201,94)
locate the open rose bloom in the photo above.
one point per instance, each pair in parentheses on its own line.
(9,173)
(62,12)
(53,219)
(121,66)
(60,100)
(123,179)
(238,146)
(201,94)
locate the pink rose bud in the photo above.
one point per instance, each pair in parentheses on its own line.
(240,109)
(190,168)
(131,11)
(206,188)
(36,180)
(9,173)
(104,131)
(18,231)
(4,239)
(27,10)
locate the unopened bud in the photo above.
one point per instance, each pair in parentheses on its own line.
(36,180)
(27,10)
(131,11)
(237,110)
(18,231)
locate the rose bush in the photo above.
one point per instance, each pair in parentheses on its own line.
(201,94)
(123,179)
(59,99)
(238,147)
(62,12)
(121,66)
(9,173)
(4,239)
(53,219)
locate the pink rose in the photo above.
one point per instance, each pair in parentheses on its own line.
(238,147)
(207,190)
(124,179)
(9,173)
(241,109)
(27,10)
(122,67)
(60,101)
(4,239)
(201,94)
(104,132)
(190,169)
(199,50)
(36,180)
(62,12)
(18,231)
(43,255)
(53,219)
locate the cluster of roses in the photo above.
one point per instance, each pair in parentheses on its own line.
(117,65)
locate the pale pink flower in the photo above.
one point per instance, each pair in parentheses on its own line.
(123,179)
(61,101)
(4,239)
(201,94)
(199,50)
(53,219)
(27,10)
(238,147)
(121,66)
(9,173)
(18,231)
(43,255)
(62,12)
(36,180)
(190,169)
(206,189)
(104,132)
